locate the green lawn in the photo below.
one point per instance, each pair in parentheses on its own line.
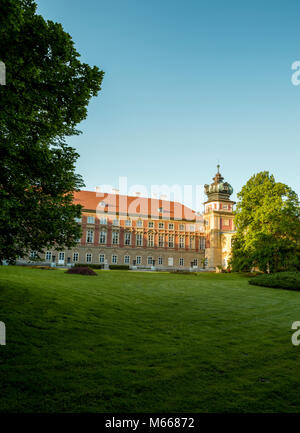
(146,342)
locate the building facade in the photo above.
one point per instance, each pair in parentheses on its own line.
(148,232)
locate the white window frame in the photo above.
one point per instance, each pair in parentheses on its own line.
(90,219)
(114,259)
(115,238)
(138,260)
(90,255)
(100,258)
(127,238)
(150,259)
(90,236)
(181,241)
(161,225)
(181,261)
(170,241)
(128,223)
(48,256)
(171,226)
(140,223)
(126,260)
(102,237)
(75,257)
(139,239)
(160,260)
(103,220)
(161,241)
(151,224)
(150,240)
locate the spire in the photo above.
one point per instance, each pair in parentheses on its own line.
(218,189)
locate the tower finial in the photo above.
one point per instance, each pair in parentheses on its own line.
(218,167)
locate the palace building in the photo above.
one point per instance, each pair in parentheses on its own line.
(151,232)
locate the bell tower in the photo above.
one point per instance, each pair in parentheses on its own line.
(218,221)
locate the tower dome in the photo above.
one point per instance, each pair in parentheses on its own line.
(218,189)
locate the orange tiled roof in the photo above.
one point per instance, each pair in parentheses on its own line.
(124,205)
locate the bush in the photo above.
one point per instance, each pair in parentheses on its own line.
(81,271)
(84,265)
(280,280)
(120,267)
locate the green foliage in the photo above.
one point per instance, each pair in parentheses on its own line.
(281,280)
(46,95)
(268,226)
(81,271)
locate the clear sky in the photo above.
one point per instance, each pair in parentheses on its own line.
(187,84)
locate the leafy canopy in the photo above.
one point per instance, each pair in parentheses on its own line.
(267,220)
(46,96)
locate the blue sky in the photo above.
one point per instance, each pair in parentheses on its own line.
(187,84)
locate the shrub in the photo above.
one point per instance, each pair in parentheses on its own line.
(84,265)
(81,271)
(280,280)
(48,268)
(120,267)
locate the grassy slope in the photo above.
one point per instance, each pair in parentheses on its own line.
(141,342)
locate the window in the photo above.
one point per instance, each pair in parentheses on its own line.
(138,260)
(115,222)
(33,254)
(128,223)
(161,225)
(48,256)
(202,243)
(126,260)
(127,240)
(75,257)
(150,224)
(170,261)
(224,206)
(150,240)
(61,255)
(150,260)
(115,238)
(181,226)
(114,259)
(139,239)
(192,228)
(171,241)
(102,203)
(139,223)
(90,236)
(91,220)
(160,209)
(171,226)
(101,258)
(88,257)
(103,220)
(192,242)
(102,237)
(181,242)
(226,222)
(161,241)
(160,260)
(181,261)
(78,220)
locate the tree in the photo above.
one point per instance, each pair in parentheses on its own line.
(46,95)
(267,220)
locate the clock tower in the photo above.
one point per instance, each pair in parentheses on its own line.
(218,221)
